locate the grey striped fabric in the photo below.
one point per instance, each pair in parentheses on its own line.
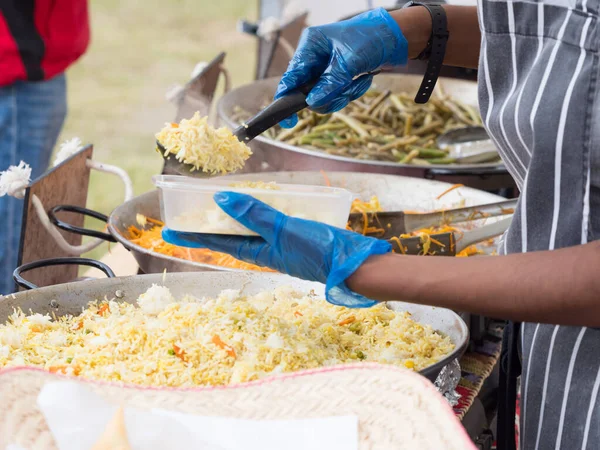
(539,97)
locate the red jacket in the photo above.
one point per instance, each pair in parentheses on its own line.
(41,38)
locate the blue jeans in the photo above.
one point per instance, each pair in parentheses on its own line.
(31,117)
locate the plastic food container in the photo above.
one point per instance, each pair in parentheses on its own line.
(187,204)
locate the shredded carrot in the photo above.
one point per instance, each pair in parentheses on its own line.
(365,208)
(151,239)
(79,325)
(174,125)
(63,369)
(347,321)
(103,310)
(327,182)
(450,189)
(460,234)
(469,251)
(365,223)
(219,343)
(397,241)
(426,242)
(179,352)
(372,206)
(374,230)
(298,314)
(437,242)
(57,369)
(479,215)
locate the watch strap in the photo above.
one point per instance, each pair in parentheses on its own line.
(435,51)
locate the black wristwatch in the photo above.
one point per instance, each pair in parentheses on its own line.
(434,51)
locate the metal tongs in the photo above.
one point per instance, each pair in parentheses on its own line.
(468,145)
(392,224)
(267,118)
(448,244)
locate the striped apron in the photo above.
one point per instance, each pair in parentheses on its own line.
(539,95)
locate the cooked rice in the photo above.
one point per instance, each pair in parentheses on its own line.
(216,341)
(196,143)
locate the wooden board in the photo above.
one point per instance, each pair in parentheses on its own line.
(199,92)
(272,58)
(66,184)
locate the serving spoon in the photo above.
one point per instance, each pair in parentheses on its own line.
(278,110)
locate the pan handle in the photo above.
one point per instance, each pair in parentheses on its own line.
(78,230)
(57,262)
(486,172)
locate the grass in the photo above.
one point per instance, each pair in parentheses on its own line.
(117,90)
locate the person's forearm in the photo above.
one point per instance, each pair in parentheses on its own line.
(463,26)
(560,287)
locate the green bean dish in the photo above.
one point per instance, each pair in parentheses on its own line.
(380,126)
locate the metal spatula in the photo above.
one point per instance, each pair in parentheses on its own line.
(270,116)
(394,223)
(448,244)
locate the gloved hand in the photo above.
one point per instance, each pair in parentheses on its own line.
(339,52)
(309,250)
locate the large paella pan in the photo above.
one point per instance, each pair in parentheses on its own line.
(70,299)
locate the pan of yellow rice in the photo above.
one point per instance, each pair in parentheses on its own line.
(214,328)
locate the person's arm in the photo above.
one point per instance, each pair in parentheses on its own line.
(560,287)
(342,56)
(464,38)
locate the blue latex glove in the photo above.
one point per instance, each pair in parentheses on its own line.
(309,250)
(339,52)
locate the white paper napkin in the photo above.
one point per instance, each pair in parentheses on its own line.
(77,418)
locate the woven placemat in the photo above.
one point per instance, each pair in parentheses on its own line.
(476,366)
(397,409)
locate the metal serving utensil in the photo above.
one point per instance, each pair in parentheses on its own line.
(468,145)
(447,244)
(395,223)
(270,116)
